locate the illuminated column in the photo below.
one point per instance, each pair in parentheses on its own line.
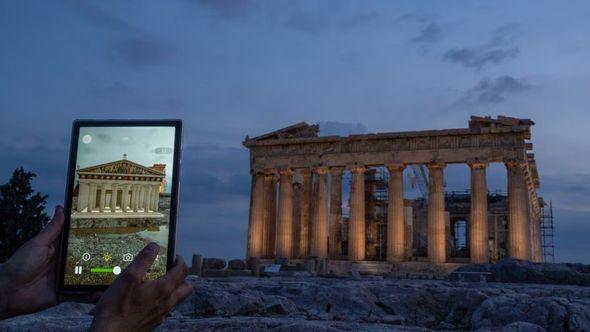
(436,213)
(336,212)
(305,219)
(518,239)
(269,232)
(284,241)
(255,244)
(478,218)
(319,227)
(147,198)
(113,204)
(395,214)
(103,193)
(356,225)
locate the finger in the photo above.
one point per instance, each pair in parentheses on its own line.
(175,276)
(51,232)
(138,268)
(182,292)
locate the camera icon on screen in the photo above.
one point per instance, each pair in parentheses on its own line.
(127,257)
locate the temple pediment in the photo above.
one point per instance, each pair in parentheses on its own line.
(122,166)
(298,130)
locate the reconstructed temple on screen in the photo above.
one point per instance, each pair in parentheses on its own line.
(119,189)
(297,210)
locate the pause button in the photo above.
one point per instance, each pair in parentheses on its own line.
(78,270)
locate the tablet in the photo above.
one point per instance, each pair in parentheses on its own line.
(121,194)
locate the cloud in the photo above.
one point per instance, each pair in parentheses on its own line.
(228,9)
(333,128)
(139,52)
(101,18)
(308,21)
(489,91)
(496,51)
(429,34)
(569,192)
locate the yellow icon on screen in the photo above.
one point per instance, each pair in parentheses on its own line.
(107,257)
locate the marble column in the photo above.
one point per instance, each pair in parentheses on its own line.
(82,202)
(255,229)
(103,196)
(436,213)
(356,225)
(319,227)
(478,217)
(395,214)
(305,216)
(91,197)
(148,198)
(113,205)
(156,198)
(518,240)
(335,242)
(134,198)
(126,197)
(284,240)
(297,192)
(270,220)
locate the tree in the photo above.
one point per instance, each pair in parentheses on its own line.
(22,212)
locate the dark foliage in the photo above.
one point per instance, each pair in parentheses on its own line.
(22,212)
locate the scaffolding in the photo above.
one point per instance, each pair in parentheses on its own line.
(547,232)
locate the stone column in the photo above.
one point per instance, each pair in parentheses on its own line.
(436,213)
(270,215)
(134,198)
(92,197)
(156,198)
(103,195)
(319,227)
(336,212)
(297,192)
(82,202)
(518,239)
(255,229)
(113,204)
(305,218)
(478,217)
(148,198)
(284,241)
(356,225)
(395,214)
(126,197)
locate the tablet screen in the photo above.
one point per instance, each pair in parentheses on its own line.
(120,200)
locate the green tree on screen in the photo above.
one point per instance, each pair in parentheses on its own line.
(22,212)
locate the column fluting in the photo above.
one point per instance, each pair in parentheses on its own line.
(319,227)
(284,241)
(395,214)
(436,213)
(478,223)
(356,225)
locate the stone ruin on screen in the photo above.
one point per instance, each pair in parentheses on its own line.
(296,208)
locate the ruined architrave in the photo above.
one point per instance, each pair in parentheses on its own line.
(299,150)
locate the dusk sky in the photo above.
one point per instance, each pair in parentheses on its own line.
(233,68)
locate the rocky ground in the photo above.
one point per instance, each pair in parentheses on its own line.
(304,303)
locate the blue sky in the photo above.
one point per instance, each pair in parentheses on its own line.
(236,68)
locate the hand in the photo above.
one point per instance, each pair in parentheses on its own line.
(132,304)
(28,277)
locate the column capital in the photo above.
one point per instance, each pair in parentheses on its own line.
(337,170)
(320,170)
(477,163)
(436,164)
(514,163)
(357,168)
(396,167)
(285,171)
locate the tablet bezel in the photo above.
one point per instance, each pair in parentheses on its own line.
(171,254)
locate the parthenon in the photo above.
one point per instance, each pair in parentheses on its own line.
(307,220)
(119,189)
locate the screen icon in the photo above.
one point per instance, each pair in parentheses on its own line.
(78,270)
(127,257)
(116,270)
(86,257)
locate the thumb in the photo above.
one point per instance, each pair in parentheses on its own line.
(53,229)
